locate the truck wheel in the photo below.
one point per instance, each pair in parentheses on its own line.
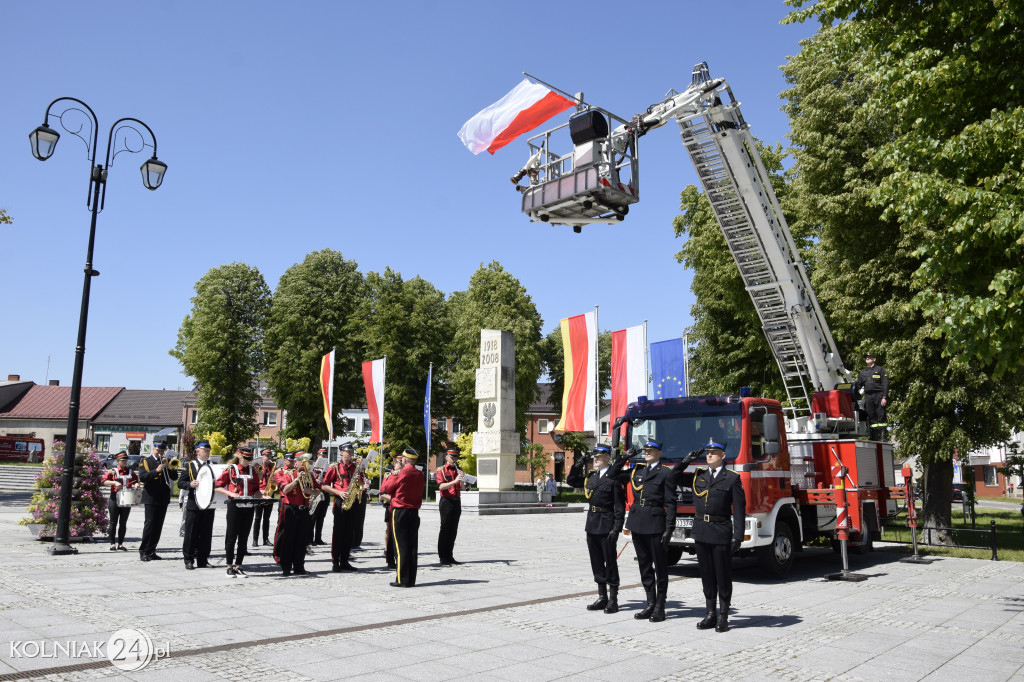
(777,558)
(674,555)
(868,544)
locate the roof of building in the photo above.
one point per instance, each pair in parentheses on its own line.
(12,390)
(267,401)
(51,402)
(144,408)
(542,402)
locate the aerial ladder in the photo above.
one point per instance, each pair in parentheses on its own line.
(599,180)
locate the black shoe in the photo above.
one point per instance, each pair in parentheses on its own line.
(613,600)
(239,571)
(447,563)
(454,561)
(659,614)
(710,616)
(266,542)
(156,557)
(723,623)
(347,568)
(144,557)
(231,571)
(394,584)
(204,565)
(122,548)
(286,572)
(190,566)
(336,568)
(392,564)
(113,548)
(300,571)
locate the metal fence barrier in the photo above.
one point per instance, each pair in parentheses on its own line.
(924,536)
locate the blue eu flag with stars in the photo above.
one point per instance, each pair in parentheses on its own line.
(667,369)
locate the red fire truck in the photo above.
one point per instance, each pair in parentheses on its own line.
(21,449)
(806,470)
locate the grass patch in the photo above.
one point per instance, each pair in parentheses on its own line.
(1009,536)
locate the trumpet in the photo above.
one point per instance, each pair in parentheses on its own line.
(174,464)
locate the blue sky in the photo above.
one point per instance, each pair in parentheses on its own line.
(291,127)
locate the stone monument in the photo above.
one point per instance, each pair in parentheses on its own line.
(496,442)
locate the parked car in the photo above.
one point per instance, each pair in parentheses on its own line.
(959,490)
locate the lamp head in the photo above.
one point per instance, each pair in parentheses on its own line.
(152,172)
(43,140)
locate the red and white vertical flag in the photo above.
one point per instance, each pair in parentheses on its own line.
(373,381)
(327,390)
(523,109)
(629,370)
(579,400)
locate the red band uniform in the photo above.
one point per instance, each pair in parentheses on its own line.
(406,491)
(125,479)
(241,479)
(449,506)
(293,521)
(339,478)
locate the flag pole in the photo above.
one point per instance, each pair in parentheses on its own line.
(686,364)
(647,363)
(597,380)
(426,423)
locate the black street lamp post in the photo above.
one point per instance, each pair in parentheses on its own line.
(44,140)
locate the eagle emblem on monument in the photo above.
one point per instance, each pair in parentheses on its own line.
(488,410)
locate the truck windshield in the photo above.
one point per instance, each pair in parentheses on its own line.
(681,434)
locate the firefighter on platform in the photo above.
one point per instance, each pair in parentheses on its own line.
(873,383)
(652,518)
(198,526)
(449,486)
(404,492)
(118,478)
(337,482)
(261,517)
(717,531)
(293,519)
(606,498)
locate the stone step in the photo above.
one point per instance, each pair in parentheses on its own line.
(18,478)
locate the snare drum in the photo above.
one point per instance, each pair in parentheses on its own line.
(127,497)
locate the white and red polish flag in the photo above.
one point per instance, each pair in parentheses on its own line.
(629,371)
(525,108)
(579,398)
(373,381)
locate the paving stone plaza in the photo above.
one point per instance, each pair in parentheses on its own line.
(515,610)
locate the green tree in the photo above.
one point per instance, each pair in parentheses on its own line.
(314,311)
(5,219)
(220,345)
(494,300)
(728,349)
(407,322)
(533,457)
(953,164)
(552,355)
(865,255)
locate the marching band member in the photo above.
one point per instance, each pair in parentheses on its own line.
(261,517)
(156,495)
(292,519)
(389,540)
(121,476)
(449,485)
(607,498)
(359,513)
(404,492)
(336,483)
(238,482)
(652,518)
(198,522)
(321,511)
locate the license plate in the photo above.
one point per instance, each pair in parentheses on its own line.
(684,523)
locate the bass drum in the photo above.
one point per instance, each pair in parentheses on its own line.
(204,491)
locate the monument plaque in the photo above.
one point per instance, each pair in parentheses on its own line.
(496,436)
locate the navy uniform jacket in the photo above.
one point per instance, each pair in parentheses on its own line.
(607,500)
(654,497)
(722,500)
(155,489)
(187,474)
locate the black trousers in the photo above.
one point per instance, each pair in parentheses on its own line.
(603,561)
(198,535)
(237,535)
(151,529)
(389,538)
(341,534)
(293,527)
(118,520)
(318,519)
(653,559)
(715,563)
(405,528)
(261,517)
(359,509)
(451,511)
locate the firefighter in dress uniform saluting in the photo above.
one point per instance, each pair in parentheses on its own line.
(336,483)
(449,486)
(261,517)
(121,476)
(293,520)
(239,482)
(198,522)
(717,532)
(404,492)
(156,495)
(607,500)
(652,518)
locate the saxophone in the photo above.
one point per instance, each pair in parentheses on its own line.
(271,487)
(355,489)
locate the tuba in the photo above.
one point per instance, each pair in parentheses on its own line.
(310,490)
